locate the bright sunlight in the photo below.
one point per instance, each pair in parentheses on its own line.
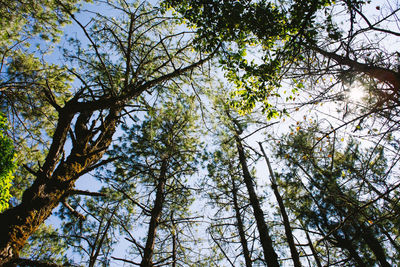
(356,92)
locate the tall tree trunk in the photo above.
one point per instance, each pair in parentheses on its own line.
(155,217)
(313,251)
(374,244)
(174,234)
(239,224)
(270,256)
(348,245)
(285,217)
(51,187)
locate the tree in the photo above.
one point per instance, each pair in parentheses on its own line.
(234,127)
(314,52)
(28,33)
(130,68)
(282,209)
(270,256)
(331,189)
(46,247)
(158,158)
(230,222)
(297,39)
(89,226)
(279,33)
(23,20)
(90,117)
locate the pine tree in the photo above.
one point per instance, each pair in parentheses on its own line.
(328,188)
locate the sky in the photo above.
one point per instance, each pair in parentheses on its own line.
(327,110)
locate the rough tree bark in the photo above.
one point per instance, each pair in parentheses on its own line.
(51,187)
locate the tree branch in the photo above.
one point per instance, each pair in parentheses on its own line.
(73,211)
(383,75)
(86,193)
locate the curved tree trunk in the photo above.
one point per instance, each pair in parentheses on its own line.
(50,188)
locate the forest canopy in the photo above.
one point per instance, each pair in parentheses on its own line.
(199,133)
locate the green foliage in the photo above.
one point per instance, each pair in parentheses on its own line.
(167,136)
(124,53)
(26,19)
(225,190)
(29,85)
(261,45)
(31,88)
(96,232)
(279,34)
(46,245)
(326,184)
(223,183)
(7,164)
